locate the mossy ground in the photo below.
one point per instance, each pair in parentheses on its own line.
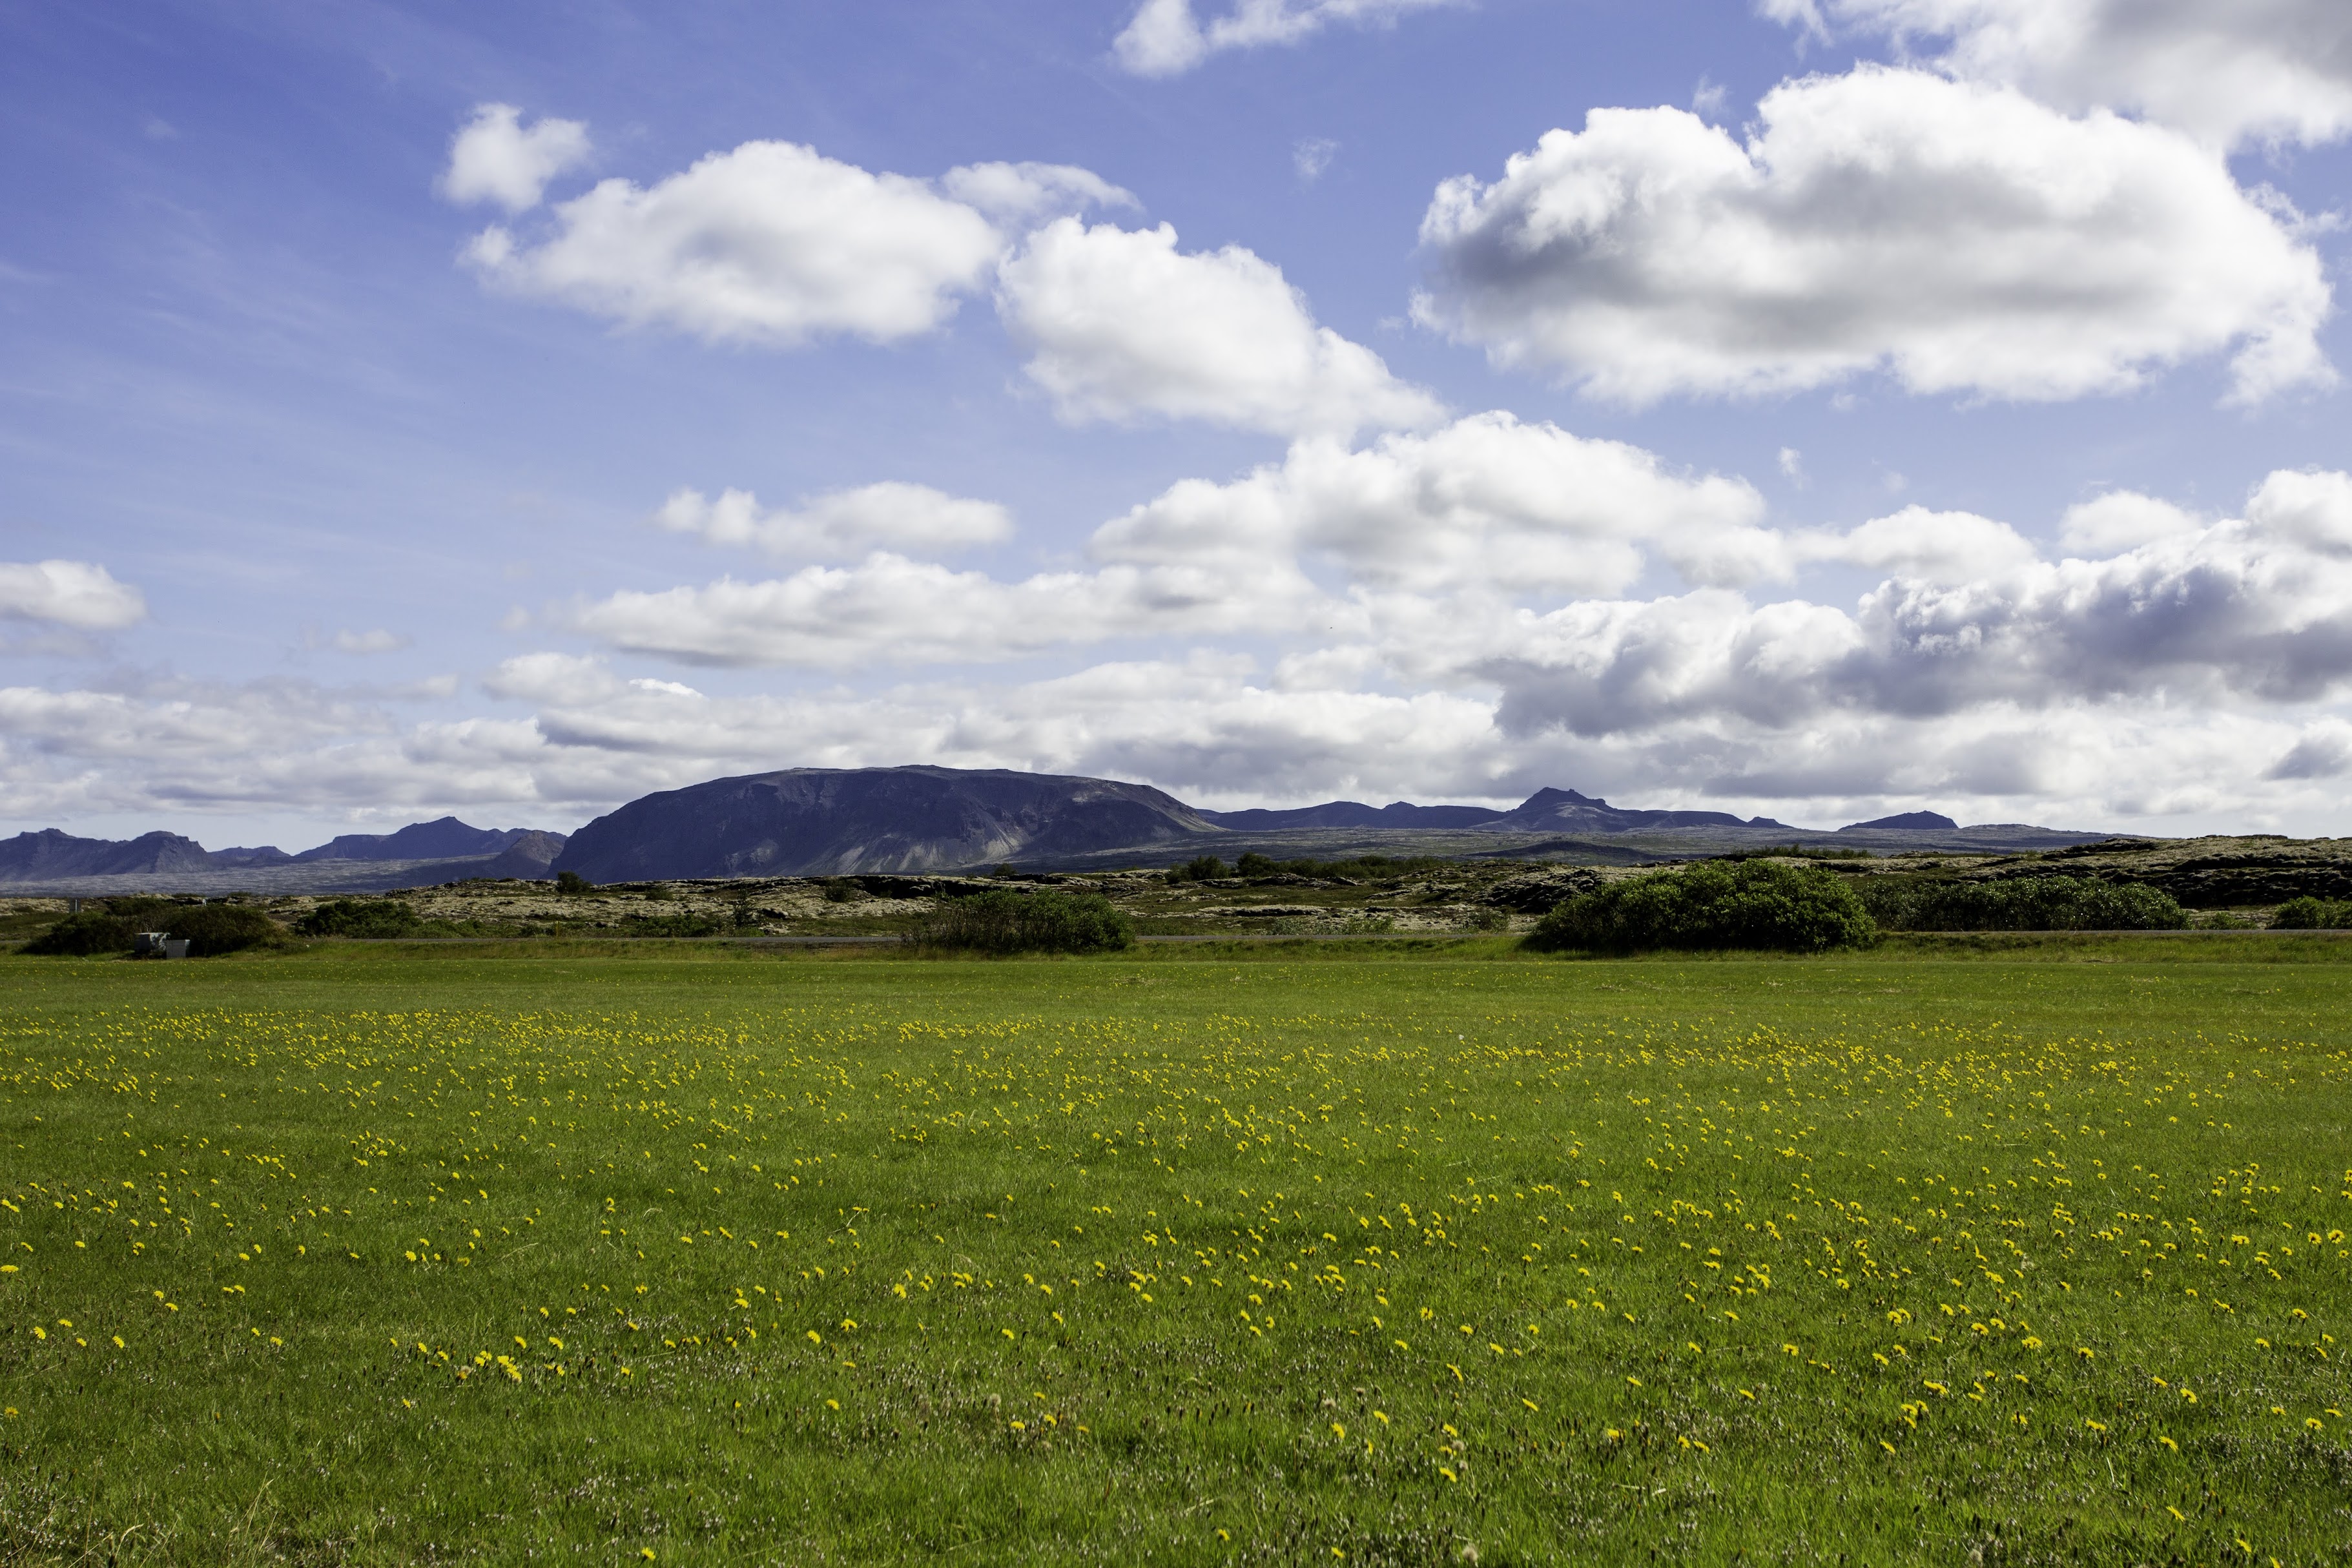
(1994,1250)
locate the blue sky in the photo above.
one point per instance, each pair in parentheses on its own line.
(1879,403)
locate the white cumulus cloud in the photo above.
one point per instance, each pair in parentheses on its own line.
(840,524)
(2225,72)
(75,595)
(493,158)
(2256,607)
(772,243)
(1960,236)
(1121,325)
(1164,38)
(1484,504)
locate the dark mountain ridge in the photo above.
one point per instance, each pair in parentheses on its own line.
(1352,814)
(827,821)
(416,856)
(38,856)
(444,839)
(840,821)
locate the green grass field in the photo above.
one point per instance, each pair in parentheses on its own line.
(1972,1252)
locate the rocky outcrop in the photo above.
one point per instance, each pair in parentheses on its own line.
(1536,893)
(832,821)
(2203,873)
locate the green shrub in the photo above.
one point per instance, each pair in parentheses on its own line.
(1200,868)
(144,912)
(83,936)
(360,918)
(1742,904)
(688,924)
(1047,921)
(2305,913)
(570,882)
(211,930)
(2021,903)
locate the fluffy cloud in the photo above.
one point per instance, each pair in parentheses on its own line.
(1960,236)
(2122,519)
(2268,69)
(75,594)
(2254,607)
(1945,547)
(773,244)
(1485,506)
(1165,39)
(493,159)
(842,524)
(1121,324)
(1485,503)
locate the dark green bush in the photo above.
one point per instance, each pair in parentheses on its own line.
(678,925)
(211,930)
(2022,903)
(144,912)
(1742,904)
(1254,864)
(360,918)
(83,936)
(573,882)
(1047,921)
(1200,868)
(2305,913)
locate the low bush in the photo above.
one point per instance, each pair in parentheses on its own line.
(2305,913)
(212,929)
(84,935)
(1047,921)
(1761,904)
(360,918)
(1200,868)
(2022,903)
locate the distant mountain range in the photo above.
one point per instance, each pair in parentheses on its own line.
(1546,811)
(419,854)
(833,821)
(803,822)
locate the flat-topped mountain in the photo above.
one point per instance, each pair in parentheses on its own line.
(827,821)
(446,839)
(1353,814)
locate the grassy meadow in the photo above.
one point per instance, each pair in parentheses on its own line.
(1969,1252)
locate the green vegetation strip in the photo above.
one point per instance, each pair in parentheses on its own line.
(715,1256)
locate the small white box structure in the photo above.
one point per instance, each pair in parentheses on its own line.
(158,945)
